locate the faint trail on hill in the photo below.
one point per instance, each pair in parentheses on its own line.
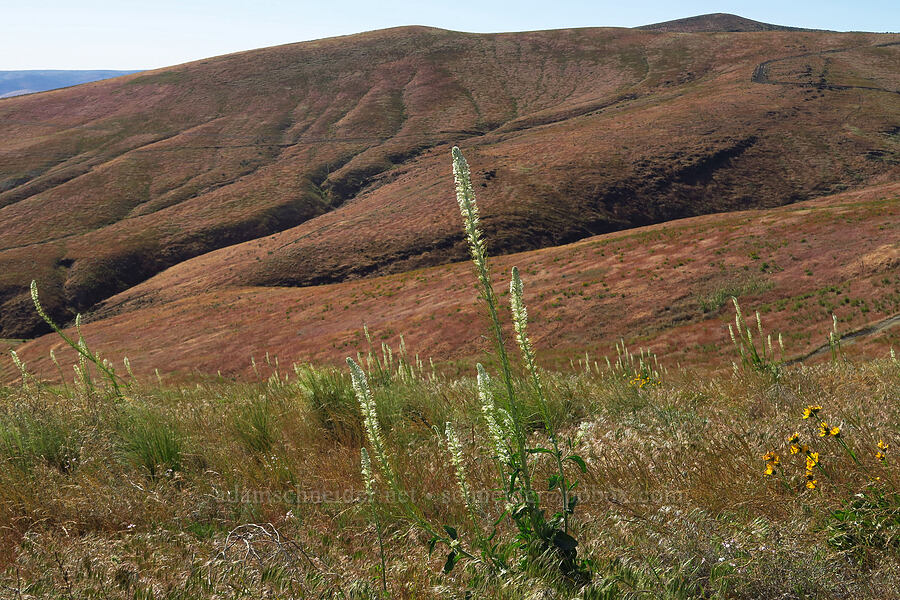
(850,338)
(761,72)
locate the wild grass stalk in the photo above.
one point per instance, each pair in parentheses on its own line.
(81,347)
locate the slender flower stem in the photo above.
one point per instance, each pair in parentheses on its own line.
(465,196)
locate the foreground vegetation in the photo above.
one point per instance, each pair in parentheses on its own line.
(239,490)
(389,480)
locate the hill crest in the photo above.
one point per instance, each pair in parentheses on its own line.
(716,22)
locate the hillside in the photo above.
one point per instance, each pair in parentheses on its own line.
(663,286)
(16,83)
(325,161)
(716,22)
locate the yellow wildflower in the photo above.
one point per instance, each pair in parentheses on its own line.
(812,459)
(811,410)
(772,461)
(882,445)
(811,484)
(879,455)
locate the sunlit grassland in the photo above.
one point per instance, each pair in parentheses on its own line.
(118,500)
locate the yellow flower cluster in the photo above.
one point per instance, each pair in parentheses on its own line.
(772,461)
(826,430)
(882,448)
(811,411)
(640,382)
(812,459)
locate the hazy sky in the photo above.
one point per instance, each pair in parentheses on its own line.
(136,34)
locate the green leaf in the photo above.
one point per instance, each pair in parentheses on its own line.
(451,531)
(553,481)
(431,544)
(578,461)
(451,561)
(538,451)
(501,517)
(565,542)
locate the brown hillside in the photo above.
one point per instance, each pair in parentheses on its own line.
(664,286)
(326,161)
(716,22)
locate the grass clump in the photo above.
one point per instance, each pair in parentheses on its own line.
(329,394)
(255,427)
(39,437)
(151,442)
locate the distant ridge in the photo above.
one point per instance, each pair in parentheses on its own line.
(717,22)
(18,83)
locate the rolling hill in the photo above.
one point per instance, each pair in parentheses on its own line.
(285,174)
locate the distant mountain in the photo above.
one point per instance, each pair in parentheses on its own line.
(716,22)
(16,83)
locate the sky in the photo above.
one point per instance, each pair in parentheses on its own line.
(136,34)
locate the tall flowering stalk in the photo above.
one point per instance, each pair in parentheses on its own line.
(369,481)
(21,366)
(537,533)
(520,323)
(468,208)
(499,433)
(370,420)
(382,459)
(80,346)
(538,536)
(456,457)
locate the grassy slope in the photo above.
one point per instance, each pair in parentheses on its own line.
(573,133)
(662,286)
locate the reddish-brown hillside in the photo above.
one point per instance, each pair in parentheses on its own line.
(662,286)
(326,161)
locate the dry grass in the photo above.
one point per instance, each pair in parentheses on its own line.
(675,502)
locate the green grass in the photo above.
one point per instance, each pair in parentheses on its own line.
(674,483)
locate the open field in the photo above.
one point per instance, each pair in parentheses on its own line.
(766,481)
(675,503)
(305,371)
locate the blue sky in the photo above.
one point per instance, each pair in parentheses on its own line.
(136,34)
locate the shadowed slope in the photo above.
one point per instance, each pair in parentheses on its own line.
(338,148)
